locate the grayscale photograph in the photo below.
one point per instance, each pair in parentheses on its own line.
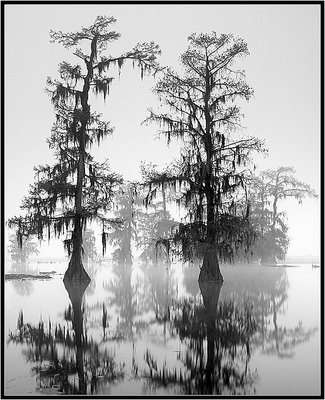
(162,200)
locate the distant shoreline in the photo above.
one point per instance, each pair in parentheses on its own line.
(288,260)
(302,260)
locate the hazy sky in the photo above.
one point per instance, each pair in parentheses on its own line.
(283,68)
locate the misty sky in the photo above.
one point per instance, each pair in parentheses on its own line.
(283,68)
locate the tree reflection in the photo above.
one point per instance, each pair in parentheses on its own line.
(23,287)
(214,332)
(68,361)
(161,291)
(216,341)
(128,294)
(190,282)
(267,291)
(76,290)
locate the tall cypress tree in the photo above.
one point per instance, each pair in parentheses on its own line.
(267,191)
(202,113)
(77,189)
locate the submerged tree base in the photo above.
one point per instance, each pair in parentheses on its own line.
(210,270)
(76,272)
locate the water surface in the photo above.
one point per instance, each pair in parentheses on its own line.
(153,330)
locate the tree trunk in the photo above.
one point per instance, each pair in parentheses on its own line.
(210,270)
(164,201)
(75,269)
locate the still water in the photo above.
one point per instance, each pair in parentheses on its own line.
(153,330)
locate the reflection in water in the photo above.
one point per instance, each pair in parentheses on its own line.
(68,362)
(190,282)
(270,303)
(266,290)
(200,343)
(128,298)
(23,287)
(161,286)
(76,290)
(217,346)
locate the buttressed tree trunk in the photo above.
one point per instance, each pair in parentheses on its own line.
(210,270)
(75,269)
